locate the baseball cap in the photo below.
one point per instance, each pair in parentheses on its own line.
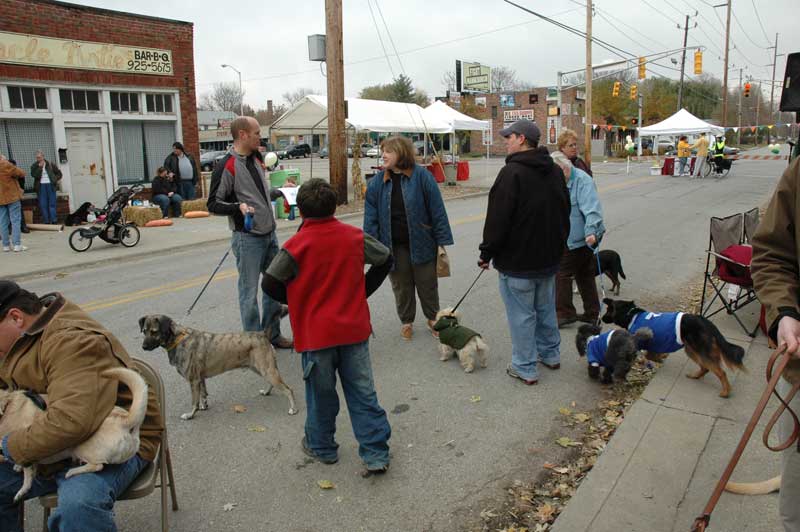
(523,127)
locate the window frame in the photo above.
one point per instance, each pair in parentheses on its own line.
(36,93)
(74,100)
(128,98)
(164,100)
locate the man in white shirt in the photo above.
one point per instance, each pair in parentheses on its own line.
(45,177)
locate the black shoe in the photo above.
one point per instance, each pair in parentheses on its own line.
(375,470)
(587,319)
(281,342)
(25,229)
(308,452)
(563,322)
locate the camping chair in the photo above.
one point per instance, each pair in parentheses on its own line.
(155,475)
(729,245)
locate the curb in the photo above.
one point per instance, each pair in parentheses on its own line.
(181,247)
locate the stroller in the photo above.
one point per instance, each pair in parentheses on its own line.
(111,225)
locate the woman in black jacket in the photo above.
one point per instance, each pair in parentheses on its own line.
(165,193)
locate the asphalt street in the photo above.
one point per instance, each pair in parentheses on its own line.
(457,439)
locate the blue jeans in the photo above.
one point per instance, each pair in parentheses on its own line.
(186,189)
(253,255)
(682,169)
(85,502)
(163,201)
(10,213)
(368,419)
(47,203)
(531,310)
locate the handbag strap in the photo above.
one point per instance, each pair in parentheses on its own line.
(780,357)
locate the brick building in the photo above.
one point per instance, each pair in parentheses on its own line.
(102,93)
(539,105)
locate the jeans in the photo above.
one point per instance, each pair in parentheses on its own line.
(682,167)
(531,310)
(163,201)
(85,502)
(253,255)
(370,425)
(47,203)
(11,213)
(186,189)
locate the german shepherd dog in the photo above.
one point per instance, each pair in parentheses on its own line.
(699,337)
(199,355)
(611,266)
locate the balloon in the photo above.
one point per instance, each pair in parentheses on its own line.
(271,159)
(776,148)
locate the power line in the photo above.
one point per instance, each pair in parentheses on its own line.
(741,27)
(603,15)
(758,18)
(378,31)
(654,8)
(391,40)
(710,23)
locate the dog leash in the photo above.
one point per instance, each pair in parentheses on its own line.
(468,289)
(225,256)
(596,251)
(780,357)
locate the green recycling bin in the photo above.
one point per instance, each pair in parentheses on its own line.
(278,178)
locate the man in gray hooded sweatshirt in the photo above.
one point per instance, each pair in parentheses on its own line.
(240,192)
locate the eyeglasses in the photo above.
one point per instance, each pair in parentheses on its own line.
(573,145)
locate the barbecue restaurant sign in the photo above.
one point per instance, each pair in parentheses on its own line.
(35,50)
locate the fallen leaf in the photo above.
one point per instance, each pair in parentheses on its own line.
(239,409)
(548,465)
(60,275)
(561,470)
(545,512)
(475,399)
(564,441)
(229,506)
(565,411)
(326,484)
(582,418)
(257,428)
(488,514)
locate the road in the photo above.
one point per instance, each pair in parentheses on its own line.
(451,454)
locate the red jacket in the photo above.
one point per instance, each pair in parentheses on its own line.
(327,297)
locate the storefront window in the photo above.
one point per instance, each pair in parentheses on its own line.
(140,148)
(159,103)
(20,138)
(79,100)
(124,102)
(33,98)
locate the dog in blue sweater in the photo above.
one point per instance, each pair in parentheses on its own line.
(613,351)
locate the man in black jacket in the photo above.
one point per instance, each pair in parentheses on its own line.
(183,169)
(525,235)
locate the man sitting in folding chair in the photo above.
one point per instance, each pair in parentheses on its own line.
(50,346)
(729,246)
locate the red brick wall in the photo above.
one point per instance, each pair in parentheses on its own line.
(57,20)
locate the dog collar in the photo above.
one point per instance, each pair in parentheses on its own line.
(37,399)
(181,337)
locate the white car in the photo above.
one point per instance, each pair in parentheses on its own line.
(374,152)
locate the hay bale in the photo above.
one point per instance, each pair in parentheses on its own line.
(141,215)
(193,205)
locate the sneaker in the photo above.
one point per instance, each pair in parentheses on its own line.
(372,470)
(20,247)
(6,248)
(435,333)
(557,365)
(406,331)
(308,452)
(513,373)
(563,322)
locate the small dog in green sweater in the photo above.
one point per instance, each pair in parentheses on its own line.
(455,339)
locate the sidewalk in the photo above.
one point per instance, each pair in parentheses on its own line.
(661,466)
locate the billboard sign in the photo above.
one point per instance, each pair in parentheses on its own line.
(474,77)
(509,117)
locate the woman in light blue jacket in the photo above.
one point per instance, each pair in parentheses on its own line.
(579,262)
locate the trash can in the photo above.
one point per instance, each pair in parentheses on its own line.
(669,166)
(278,178)
(450,174)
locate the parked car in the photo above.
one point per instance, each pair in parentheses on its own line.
(364,148)
(208,159)
(374,152)
(294,150)
(323,152)
(419,147)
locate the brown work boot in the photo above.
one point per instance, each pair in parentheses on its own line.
(406,331)
(281,342)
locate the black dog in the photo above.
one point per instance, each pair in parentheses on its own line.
(79,216)
(614,351)
(699,337)
(611,265)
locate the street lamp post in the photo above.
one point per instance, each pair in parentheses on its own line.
(241,94)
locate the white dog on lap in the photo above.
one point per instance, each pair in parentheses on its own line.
(455,339)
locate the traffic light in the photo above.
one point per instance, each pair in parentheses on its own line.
(634,121)
(615,91)
(747,90)
(633,92)
(643,67)
(698,62)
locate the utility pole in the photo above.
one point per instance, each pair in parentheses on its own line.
(334,57)
(683,62)
(739,129)
(725,68)
(587,127)
(758,108)
(772,90)
(639,125)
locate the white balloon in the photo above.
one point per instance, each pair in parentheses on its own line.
(271,159)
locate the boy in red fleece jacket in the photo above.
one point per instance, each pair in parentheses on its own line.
(320,273)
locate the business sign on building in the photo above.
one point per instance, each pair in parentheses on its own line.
(509,117)
(35,50)
(474,77)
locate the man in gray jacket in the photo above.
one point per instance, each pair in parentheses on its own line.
(239,191)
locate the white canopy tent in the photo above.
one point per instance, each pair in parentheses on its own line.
(310,115)
(681,123)
(458,121)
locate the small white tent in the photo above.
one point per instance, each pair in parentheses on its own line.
(681,123)
(440,111)
(310,115)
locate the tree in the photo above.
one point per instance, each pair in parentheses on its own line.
(295,96)
(224,96)
(264,116)
(400,90)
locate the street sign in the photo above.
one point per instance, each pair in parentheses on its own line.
(487,136)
